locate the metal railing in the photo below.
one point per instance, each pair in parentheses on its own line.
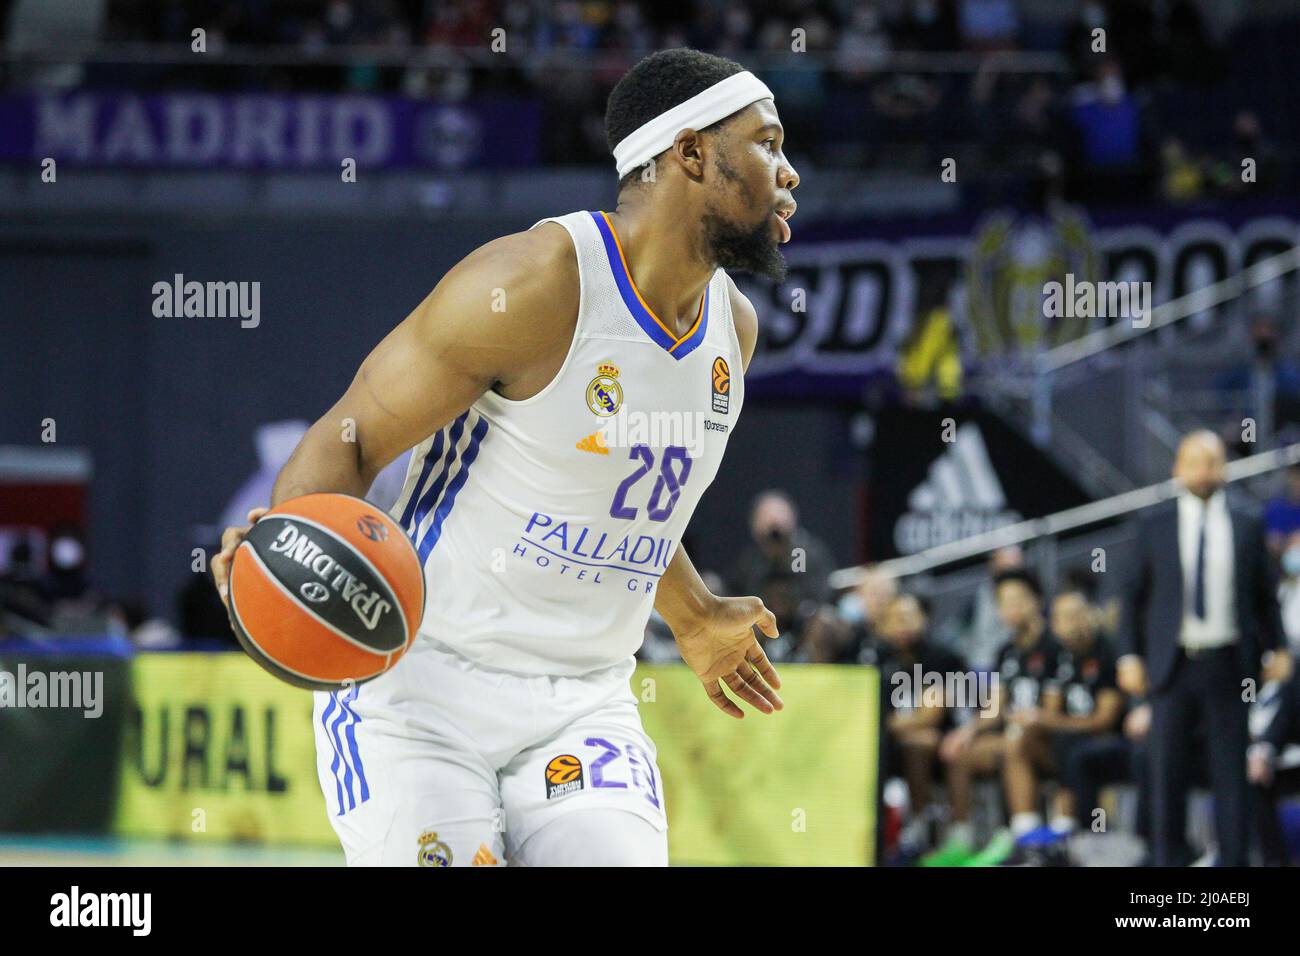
(1053,525)
(1050,363)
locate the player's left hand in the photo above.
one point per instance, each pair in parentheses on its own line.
(722,649)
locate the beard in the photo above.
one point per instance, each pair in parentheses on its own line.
(750,249)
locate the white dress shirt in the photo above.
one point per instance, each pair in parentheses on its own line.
(1219,626)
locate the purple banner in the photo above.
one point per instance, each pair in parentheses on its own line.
(850,307)
(214,131)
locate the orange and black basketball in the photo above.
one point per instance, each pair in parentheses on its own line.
(326,590)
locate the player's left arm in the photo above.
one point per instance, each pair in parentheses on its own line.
(716,634)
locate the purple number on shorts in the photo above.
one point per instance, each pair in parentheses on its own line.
(649,789)
(597,768)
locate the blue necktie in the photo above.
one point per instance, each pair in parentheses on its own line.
(1198,594)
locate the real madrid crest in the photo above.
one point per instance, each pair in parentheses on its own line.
(604,393)
(433,852)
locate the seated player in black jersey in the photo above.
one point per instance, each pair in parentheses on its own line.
(1079,713)
(1271,778)
(1025,665)
(920,681)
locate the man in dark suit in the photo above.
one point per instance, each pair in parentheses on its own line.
(1200,620)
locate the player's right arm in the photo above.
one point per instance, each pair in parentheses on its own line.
(501,319)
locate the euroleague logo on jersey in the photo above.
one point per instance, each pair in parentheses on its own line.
(721,376)
(604,393)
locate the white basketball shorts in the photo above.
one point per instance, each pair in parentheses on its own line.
(442,762)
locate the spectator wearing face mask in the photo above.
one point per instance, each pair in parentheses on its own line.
(862,610)
(779,542)
(1282,513)
(1112,139)
(1271,380)
(23,601)
(77,608)
(1081,37)
(1247,141)
(784,564)
(66,580)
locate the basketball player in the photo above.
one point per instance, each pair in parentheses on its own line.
(509,732)
(1026,665)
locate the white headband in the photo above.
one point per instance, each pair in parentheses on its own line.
(703,109)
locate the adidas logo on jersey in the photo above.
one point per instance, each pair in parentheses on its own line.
(595,442)
(483,857)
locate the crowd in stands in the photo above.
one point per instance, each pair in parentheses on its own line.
(1115,126)
(1112,122)
(47,593)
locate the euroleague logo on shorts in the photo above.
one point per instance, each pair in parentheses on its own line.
(563,776)
(721,377)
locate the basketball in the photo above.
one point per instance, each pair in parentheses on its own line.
(326,590)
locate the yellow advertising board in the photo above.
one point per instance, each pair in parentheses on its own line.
(217,750)
(793,788)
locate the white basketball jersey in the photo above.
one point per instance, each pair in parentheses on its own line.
(545,525)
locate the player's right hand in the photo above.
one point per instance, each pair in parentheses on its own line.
(231,540)
(722,649)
